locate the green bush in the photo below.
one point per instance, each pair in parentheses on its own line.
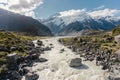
(116,31)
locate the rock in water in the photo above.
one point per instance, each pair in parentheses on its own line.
(31,76)
(77,62)
(40,43)
(43,60)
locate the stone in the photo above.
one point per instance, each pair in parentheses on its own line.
(77,62)
(47,48)
(80,40)
(12,58)
(30,43)
(62,50)
(43,60)
(117,78)
(40,43)
(13,48)
(31,76)
(74,49)
(117,39)
(4,49)
(24,70)
(34,53)
(75,39)
(109,39)
(118,53)
(16,75)
(51,44)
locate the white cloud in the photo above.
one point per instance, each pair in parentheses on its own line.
(96,13)
(104,12)
(72,13)
(24,7)
(100,7)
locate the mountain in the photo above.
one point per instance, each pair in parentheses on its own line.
(15,22)
(70,24)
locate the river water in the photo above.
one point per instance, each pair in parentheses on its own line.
(57,67)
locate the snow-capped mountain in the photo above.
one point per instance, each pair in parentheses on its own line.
(67,22)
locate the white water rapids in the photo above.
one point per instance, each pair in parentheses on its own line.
(57,67)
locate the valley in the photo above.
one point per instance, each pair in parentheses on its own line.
(57,67)
(93,56)
(68,45)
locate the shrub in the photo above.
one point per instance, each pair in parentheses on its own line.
(116,31)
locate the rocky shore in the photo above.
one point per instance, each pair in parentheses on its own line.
(17,65)
(109,61)
(63,64)
(58,58)
(17,54)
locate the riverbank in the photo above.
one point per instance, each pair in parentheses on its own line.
(57,67)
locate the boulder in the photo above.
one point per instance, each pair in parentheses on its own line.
(51,44)
(34,50)
(16,75)
(12,58)
(62,50)
(118,78)
(31,76)
(47,48)
(4,49)
(30,43)
(75,39)
(77,62)
(74,49)
(80,40)
(40,43)
(117,39)
(118,53)
(43,60)
(13,48)
(34,53)
(109,39)
(24,70)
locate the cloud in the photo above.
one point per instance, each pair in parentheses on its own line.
(104,12)
(72,12)
(96,13)
(100,7)
(24,7)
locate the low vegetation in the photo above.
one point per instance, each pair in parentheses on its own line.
(116,31)
(9,40)
(105,40)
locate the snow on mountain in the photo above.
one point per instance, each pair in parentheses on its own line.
(77,20)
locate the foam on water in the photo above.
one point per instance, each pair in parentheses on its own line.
(57,67)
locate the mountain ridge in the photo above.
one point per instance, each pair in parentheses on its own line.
(15,22)
(63,25)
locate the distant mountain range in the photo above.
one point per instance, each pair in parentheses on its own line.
(68,25)
(15,22)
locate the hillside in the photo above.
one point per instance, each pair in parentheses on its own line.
(15,22)
(11,42)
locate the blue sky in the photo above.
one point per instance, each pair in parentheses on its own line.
(45,8)
(50,7)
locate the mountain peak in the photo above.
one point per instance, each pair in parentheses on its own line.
(77,20)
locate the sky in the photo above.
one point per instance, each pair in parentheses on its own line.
(45,8)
